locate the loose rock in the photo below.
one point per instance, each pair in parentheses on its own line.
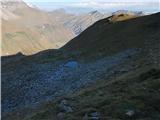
(85,117)
(65,106)
(130,113)
(60,116)
(67,109)
(71,64)
(94,116)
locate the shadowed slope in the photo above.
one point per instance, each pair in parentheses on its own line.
(108,37)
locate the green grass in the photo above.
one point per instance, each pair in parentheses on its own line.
(58,57)
(51,59)
(114,99)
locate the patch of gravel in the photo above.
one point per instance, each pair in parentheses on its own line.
(35,83)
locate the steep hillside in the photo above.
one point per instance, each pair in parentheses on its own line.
(110,37)
(110,71)
(29,30)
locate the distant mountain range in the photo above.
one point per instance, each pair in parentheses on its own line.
(78,23)
(29,30)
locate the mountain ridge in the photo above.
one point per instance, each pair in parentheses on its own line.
(22,32)
(105,28)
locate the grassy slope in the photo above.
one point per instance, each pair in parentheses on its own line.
(110,38)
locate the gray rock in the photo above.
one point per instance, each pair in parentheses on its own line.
(61,115)
(67,109)
(85,117)
(64,102)
(71,64)
(130,113)
(65,106)
(94,116)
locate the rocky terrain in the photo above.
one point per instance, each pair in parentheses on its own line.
(106,72)
(37,82)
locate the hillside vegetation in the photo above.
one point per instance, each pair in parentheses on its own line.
(111,71)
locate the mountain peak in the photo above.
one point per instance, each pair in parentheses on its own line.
(94,12)
(12,1)
(13,4)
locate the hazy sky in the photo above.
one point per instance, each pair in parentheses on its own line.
(101,5)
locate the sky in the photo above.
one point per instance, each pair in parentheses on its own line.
(101,5)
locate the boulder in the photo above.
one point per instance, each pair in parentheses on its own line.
(64,102)
(64,105)
(85,117)
(94,115)
(61,115)
(91,116)
(130,113)
(67,109)
(71,64)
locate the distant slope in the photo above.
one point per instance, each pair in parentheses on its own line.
(78,23)
(29,30)
(81,22)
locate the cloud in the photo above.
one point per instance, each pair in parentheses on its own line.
(116,4)
(120,1)
(110,5)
